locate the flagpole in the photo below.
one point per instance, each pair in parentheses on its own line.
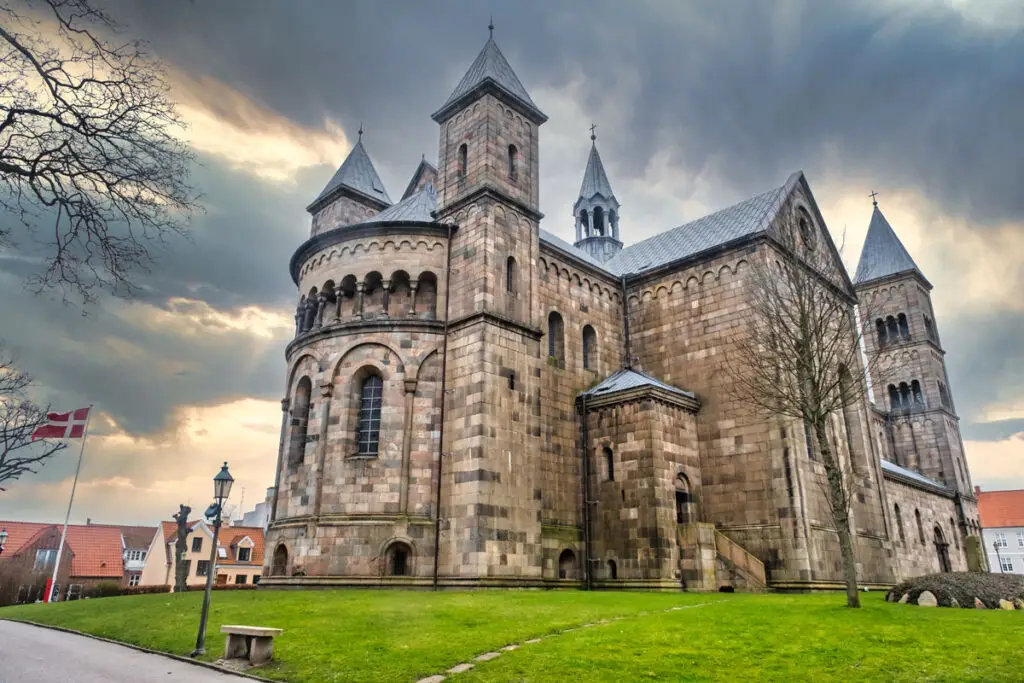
(71,500)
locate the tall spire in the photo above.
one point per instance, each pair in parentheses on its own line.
(356,175)
(490,71)
(883,253)
(596,211)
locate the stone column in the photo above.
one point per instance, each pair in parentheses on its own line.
(361,292)
(413,285)
(285,402)
(321,303)
(326,392)
(310,314)
(339,296)
(299,312)
(386,285)
(410,396)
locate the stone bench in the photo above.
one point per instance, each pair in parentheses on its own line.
(255,643)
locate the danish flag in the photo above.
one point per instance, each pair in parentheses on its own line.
(69,425)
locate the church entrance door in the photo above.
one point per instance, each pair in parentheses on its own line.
(942,548)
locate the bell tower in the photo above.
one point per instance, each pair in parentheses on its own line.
(597,210)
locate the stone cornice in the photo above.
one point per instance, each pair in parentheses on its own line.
(347,327)
(691,405)
(495,319)
(490,193)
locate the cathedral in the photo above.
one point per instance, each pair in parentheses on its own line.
(472,401)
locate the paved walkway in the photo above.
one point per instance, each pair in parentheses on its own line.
(31,653)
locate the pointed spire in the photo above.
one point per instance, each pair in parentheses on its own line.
(490,70)
(357,174)
(883,253)
(595,180)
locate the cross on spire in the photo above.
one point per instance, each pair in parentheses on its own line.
(360,130)
(873,196)
(593,135)
(490,26)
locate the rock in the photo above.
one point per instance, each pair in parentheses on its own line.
(978,604)
(905,598)
(953,602)
(487,656)
(1019,602)
(460,668)
(1005,604)
(927,599)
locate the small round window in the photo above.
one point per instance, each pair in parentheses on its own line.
(807,232)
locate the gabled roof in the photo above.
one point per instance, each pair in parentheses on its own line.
(137,537)
(426,171)
(491,69)
(912,477)
(1001,508)
(21,534)
(417,207)
(96,548)
(883,253)
(626,379)
(595,180)
(358,175)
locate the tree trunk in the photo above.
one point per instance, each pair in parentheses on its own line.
(838,502)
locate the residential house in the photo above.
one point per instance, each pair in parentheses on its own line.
(137,540)
(1002,523)
(239,555)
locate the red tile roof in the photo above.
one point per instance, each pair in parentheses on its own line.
(96,548)
(230,536)
(1001,508)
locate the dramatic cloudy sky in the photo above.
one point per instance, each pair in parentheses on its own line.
(698,105)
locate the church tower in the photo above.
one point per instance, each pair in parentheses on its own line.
(354,193)
(597,210)
(488,190)
(909,382)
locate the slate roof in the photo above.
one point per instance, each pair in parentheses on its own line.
(417,207)
(1001,508)
(893,468)
(883,253)
(491,68)
(595,180)
(626,379)
(560,244)
(138,537)
(425,168)
(358,175)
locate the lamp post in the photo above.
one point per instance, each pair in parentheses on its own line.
(999,559)
(3,540)
(221,489)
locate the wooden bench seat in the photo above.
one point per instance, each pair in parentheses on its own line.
(255,643)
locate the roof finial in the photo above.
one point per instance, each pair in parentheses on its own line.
(490,26)
(360,130)
(593,135)
(873,196)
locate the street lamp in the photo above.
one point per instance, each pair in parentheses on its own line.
(999,559)
(3,540)
(221,490)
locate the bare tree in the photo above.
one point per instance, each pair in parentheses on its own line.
(88,145)
(802,359)
(19,418)
(180,547)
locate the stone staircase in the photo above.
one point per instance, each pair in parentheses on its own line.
(711,560)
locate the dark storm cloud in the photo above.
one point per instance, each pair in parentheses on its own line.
(913,96)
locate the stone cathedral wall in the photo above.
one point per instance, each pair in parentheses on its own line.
(913,543)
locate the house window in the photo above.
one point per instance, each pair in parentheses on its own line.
(134,578)
(243,554)
(1000,539)
(222,552)
(197,544)
(136,555)
(1006,564)
(589,348)
(1020,539)
(202,567)
(45,560)
(370,399)
(240,580)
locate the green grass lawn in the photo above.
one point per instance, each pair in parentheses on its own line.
(349,635)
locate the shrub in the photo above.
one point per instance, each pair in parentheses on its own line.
(964,586)
(144,590)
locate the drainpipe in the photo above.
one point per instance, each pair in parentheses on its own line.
(444,381)
(628,360)
(588,579)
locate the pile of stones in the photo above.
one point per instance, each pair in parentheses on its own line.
(961,589)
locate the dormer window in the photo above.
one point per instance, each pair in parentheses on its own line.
(244,554)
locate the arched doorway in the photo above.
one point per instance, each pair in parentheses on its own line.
(279,567)
(567,565)
(613,570)
(942,549)
(398,560)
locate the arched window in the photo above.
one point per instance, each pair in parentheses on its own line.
(556,336)
(901,320)
(398,560)
(513,162)
(894,397)
(370,400)
(598,221)
(279,566)
(942,549)
(613,224)
(589,348)
(892,329)
(510,275)
(310,315)
(904,395)
(899,524)
(426,296)
(915,389)
(613,570)
(585,222)
(682,499)
(609,463)
(300,421)
(880,328)
(956,533)
(300,316)
(463,161)
(920,527)
(567,565)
